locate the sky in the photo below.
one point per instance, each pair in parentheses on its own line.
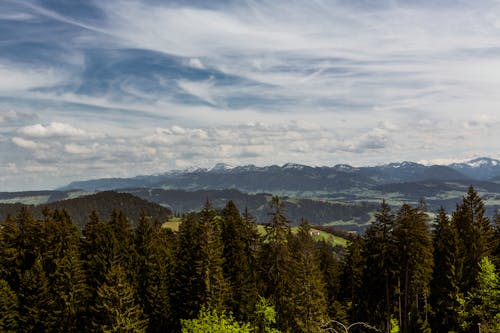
(92,89)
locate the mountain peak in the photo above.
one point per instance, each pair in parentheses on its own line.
(404,164)
(220,167)
(481,162)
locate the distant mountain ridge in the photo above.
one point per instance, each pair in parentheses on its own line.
(298,177)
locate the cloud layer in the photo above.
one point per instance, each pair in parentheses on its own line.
(119,88)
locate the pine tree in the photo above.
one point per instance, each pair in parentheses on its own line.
(353,266)
(275,260)
(240,240)
(211,260)
(476,237)
(154,262)
(331,269)
(444,283)
(9,314)
(378,251)
(481,306)
(414,252)
(98,250)
(308,287)
(117,305)
(64,270)
(35,302)
(188,286)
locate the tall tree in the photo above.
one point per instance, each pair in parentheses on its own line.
(275,260)
(308,293)
(117,305)
(378,251)
(414,252)
(64,270)
(481,306)
(476,237)
(154,246)
(444,284)
(353,267)
(9,313)
(211,260)
(240,239)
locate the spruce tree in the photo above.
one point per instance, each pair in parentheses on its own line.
(35,301)
(9,313)
(64,270)
(188,286)
(240,240)
(275,262)
(481,306)
(210,262)
(476,237)
(413,244)
(444,284)
(378,282)
(308,288)
(154,263)
(116,304)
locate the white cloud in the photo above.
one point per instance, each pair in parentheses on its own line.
(16,77)
(54,129)
(195,63)
(28,144)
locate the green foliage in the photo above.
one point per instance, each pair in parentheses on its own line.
(265,317)
(214,322)
(394,325)
(116,305)
(9,315)
(476,238)
(482,303)
(444,284)
(240,238)
(309,309)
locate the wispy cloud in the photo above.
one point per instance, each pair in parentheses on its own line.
(92,85)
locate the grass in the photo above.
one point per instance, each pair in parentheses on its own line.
(174,222)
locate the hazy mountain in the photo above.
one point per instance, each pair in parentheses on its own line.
(482,168)
(279,179)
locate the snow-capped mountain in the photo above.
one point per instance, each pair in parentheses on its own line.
(482,168)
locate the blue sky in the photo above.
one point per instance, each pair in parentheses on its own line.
(118,88)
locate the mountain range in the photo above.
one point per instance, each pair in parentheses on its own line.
(341,195)
(300,180)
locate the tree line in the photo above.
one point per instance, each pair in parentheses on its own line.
(219,273)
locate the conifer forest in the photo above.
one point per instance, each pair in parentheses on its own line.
(219,272)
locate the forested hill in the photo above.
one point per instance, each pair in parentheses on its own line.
(219,272)
(349,216)
(103,203)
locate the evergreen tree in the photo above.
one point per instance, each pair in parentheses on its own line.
(414,252)
(154,263)
(64,270)
(275,262)
(482,304)
(476,237)
(308,288)
(117,305)
(444,284)
(240,240)
(353,266)
(9,314)
(35,302)
(331,269)
(211,260)
(378,251)
(98,250)
(188,286)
